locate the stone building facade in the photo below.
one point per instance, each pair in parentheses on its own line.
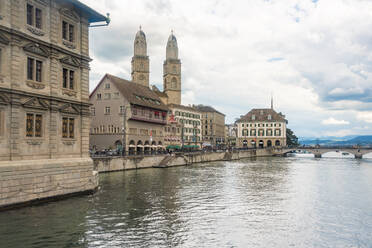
(261,128)
(213,126)
(44,81)
(190,121)
(124,110)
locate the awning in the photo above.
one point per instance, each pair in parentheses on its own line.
(173,147)
(191,146)
(132,145)
(139,145)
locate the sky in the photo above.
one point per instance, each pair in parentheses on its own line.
(313,56)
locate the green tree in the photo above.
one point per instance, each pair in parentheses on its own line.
(292,139)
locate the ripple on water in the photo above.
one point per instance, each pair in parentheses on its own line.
(265,202)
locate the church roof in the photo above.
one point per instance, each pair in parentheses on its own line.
(262,115)
(135,93)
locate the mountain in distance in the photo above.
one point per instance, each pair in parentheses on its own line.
(338,141)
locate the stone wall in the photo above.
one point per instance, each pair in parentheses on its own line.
(25,181)
(109,164)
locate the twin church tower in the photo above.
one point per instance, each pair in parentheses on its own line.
(171,68)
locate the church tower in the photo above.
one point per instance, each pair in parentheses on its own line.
(140,60)
(172,72)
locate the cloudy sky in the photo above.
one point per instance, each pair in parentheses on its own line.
(314,56)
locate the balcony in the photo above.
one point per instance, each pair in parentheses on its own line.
(148,119)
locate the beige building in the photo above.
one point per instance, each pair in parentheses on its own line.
(261,128)
(44,79)
(172,133)
(213,126)
(44,94)
(190,120)
(124,110)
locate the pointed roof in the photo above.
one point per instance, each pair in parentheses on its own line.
(135,94)
(172,47)
(262,115)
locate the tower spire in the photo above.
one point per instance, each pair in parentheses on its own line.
(272,101)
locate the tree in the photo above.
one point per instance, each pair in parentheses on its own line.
(292,139)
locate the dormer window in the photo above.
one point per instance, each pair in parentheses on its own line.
(253,117)
(261,112)
(269,117)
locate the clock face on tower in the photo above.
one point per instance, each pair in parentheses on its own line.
(141,77)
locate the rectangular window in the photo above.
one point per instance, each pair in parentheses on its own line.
(93,111)
(107,110)
(122,109)
(107,96)
(65,77)
(30,14)
(99,96)
(38,125)
(68,127)
(38,18)
(72,80)
(107,86)
(64,30)
(68,79)
(30,125)
(64,127)
(71,128)
(30,68)
(38,75)
(71,33)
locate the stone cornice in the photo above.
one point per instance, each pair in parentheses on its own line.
(18,36)
(15,93)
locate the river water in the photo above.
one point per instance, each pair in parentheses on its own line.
(263,202)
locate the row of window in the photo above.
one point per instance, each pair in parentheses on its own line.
(262,125)
(261,132)
(186,114)
(102,129)
(34,126)
(187,121)
(107,96)
(35,19)
(35,72)
(191,130)
(173,129)
(191,138)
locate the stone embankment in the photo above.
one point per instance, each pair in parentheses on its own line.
(24,182)
(109,164)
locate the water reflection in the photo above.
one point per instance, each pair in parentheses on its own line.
(264,202)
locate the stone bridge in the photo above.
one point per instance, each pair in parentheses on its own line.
(318,151)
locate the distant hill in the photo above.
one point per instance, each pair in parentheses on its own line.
(342,141)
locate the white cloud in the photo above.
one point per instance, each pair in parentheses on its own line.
(365,116)
(315,57)
(333,121)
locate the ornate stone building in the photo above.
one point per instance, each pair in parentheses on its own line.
(261,128)
(44,85)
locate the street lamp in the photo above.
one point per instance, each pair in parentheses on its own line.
(124,128)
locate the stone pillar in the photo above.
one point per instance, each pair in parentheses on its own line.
(358,156)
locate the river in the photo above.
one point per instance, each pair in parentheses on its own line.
(263,202)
